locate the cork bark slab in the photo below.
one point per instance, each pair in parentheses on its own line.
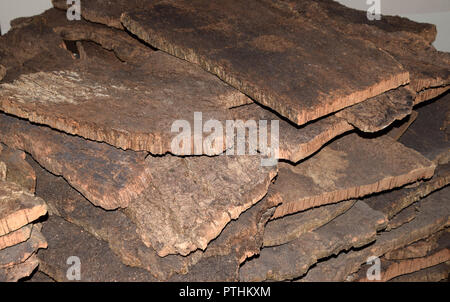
(393,202)
(348,168)
(420,248)
(15,237)
(434,215)
(271,60)
(381,111)
(18,207)
(17,169)
(107,176)
(406,215)
(392,269)
(408,42)
(143,97)
(430,132)
(355,228)
(288,228)
(98,262)
(19,271)
(19,253)
(432,274)
(210,197)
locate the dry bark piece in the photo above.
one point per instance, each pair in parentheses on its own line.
(18,170)
(141,108)
(19,253)
(393,202)
(430,93)
(430,132)
(211,198)
(408,42)
(267,60)
(432,274)
(381,111)
(295,142)
(288,228)
(418,249)
(397,130)
(107,176)
(98,262)
(15,237)
(392,269)
(355,228)
(348,168)
(406,215)
(18,207)
(433,216)
(19,271)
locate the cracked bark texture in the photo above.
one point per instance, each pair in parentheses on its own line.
(350,167)
(267,60)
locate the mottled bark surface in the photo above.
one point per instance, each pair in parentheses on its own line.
(355,228)
(433,216)
(435,273)
(15,237)
(17,169)
(19,271)
(271,60)
(18,207)
(348,168)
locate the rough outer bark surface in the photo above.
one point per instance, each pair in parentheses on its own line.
(19,271)
(98,263)
(17,169)
(408,42)
(229,39)
(430,132)
(108,177)
(420,248)
(18,207)
(288,228)
(71,95)
(19,253)
(392,269)
(381,111)
(406,215)
(434,215)
(393,202)
(239,239)
(348,168)
(432,274)
(211,198)
(15,237)
(355,228)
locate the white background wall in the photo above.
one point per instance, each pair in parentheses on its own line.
(431,11)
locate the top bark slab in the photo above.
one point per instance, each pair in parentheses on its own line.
(281,60)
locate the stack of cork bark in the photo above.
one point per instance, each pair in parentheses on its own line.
(86,124)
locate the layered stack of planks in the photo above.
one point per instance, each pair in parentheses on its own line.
(87,112)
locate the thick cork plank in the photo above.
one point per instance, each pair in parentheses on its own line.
(288,228)
(18,207)
(419,248)
(98,262)
(355,228)
(393,202)
(349,167)
(430,132)
(270,61)
(433,216)
(107,176)
(392,269)
(379,112)
(408,42)
(240,239)
(19,271)
(71,95)
(15,237)
(432,274)
(19,253)
(17,169)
